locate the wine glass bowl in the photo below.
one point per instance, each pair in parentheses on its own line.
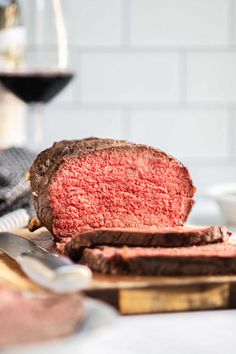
(35,87)
(38,80)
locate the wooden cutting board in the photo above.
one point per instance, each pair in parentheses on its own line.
(135,295)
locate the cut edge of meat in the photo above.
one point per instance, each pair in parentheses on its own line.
(212,259)
(155,237)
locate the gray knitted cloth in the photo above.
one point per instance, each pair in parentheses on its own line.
(14,190)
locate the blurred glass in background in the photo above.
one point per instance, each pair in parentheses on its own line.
(30,75)
(12,51)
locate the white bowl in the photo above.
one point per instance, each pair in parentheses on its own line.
(225,196)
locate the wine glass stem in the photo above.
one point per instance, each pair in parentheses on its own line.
(35,131)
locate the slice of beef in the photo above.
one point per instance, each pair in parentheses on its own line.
(31,317)
(162,237)
(100,183)
(212,259)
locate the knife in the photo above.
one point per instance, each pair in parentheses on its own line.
(51,271)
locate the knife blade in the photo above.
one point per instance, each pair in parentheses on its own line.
(51,271)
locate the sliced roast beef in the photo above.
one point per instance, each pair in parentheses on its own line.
(212,259)
(100,183)
(162,237)
(33,317)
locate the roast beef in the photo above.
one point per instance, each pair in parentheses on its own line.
(212,259)
(162,237)
(100,183)
(30,317)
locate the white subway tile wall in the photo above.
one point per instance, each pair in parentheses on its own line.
(93,22)
(159,72)
(211,77)
(68,123)
(178,23)
(129,77)
(183,133)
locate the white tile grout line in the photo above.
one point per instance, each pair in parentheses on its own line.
(78,73)
(149,106)
(182,73)
(231,133)
(231,24)
(125,24)
(125,124)
(214,49)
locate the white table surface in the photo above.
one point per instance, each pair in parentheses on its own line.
(210,332)
(205,332)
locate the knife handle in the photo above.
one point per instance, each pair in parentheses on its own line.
(54,272)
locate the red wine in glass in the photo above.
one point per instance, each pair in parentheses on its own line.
(35,87)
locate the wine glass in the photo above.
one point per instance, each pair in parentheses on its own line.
(39,77)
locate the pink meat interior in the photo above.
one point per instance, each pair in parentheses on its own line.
(224,249)
(119,189)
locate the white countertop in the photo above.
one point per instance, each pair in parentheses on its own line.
(205,332)
(175,333)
